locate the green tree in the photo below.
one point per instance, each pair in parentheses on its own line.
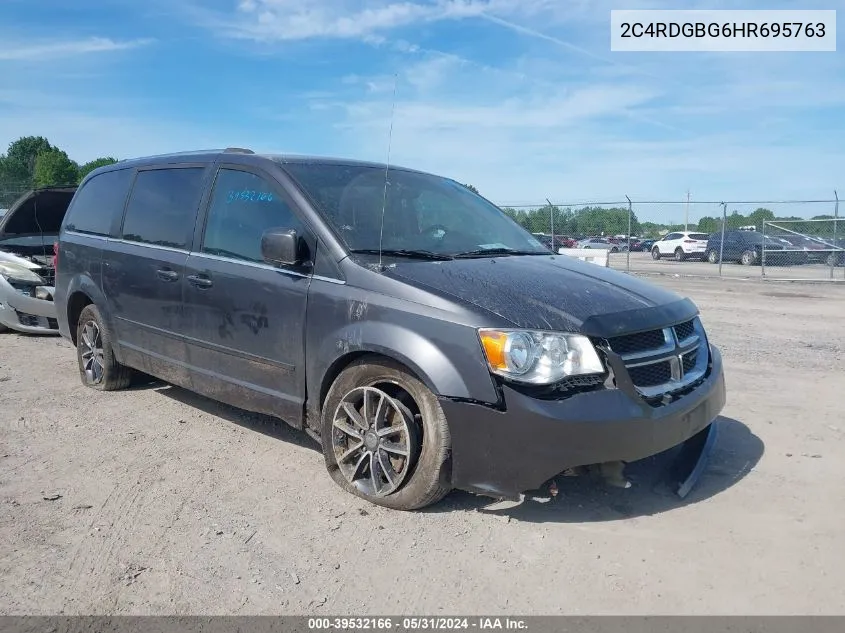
(471,188)
(709,225)
(90,166)
(26,150)
(55,168)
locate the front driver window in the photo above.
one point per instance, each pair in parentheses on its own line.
(243,206)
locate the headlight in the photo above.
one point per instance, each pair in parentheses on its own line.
(539,358)
(16,272)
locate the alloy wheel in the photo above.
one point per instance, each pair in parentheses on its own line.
(92,353)
(374,440)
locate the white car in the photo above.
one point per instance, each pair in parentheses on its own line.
(681,245)
(598,242)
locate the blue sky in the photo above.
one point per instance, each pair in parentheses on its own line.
(523,99)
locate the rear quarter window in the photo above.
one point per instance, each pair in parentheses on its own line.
(163,205)
(98,202)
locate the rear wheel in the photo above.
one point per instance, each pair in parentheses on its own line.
(655,253)
(713,257)
(747,258)
(679,254)
(385,437)
(614,250)
(98,367)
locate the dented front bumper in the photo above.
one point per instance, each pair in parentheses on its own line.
(503,453)
(27,314)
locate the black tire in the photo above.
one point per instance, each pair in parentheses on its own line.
(747,258)
(113,375)
(655,253)
(427,479)
(614,250)
(3,328)
(713,257)
(833,259)
(679,254)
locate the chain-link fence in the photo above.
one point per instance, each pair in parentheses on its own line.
(789,240)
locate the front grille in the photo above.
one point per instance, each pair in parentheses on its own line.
(650,375)
(640,342)
(685,330)
(663,361)
(690,360)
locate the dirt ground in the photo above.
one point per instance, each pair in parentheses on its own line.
(155,501)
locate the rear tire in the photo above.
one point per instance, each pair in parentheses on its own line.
(713,257)
(425,468)
(747,258)
(679,254)
(98,367)
(655,253)
(614,250)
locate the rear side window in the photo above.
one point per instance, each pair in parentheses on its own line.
(98,202)
(163,206)
(243,206)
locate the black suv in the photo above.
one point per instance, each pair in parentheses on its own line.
(424,338)
(746,247)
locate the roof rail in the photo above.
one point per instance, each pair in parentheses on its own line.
(237,150)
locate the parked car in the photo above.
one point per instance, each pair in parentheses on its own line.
(817,250)
(645,246)
(560,241)
(28,231)
(599,242)
(746,247)
(427,344)
(681,245)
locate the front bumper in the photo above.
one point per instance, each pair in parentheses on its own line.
(27,314)
(505,453)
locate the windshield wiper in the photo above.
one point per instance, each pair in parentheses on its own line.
(498,251)
(411,254)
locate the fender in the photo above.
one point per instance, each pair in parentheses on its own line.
(87,286)
(464,376)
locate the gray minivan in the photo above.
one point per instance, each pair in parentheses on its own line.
(421,336)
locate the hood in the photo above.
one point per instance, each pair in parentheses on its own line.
(40,211)
(551,293)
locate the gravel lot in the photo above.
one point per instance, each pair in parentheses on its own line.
(156,501)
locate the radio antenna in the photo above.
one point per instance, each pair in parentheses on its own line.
(386,169)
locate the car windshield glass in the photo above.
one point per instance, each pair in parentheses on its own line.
(422,212)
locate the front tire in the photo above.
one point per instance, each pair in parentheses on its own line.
(98,367)
(385,436)
(713,257)
(655,253)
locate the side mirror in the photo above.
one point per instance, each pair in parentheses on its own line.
(280,247)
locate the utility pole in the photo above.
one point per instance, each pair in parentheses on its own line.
(686,216)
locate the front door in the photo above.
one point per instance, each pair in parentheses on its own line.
(244,318)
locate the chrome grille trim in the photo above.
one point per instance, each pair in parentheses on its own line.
(673,352)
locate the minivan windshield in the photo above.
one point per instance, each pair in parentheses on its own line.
(424,215)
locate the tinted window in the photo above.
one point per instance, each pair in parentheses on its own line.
(698,236)
(163,205)
(673,236)
(243,206)
(98,202)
